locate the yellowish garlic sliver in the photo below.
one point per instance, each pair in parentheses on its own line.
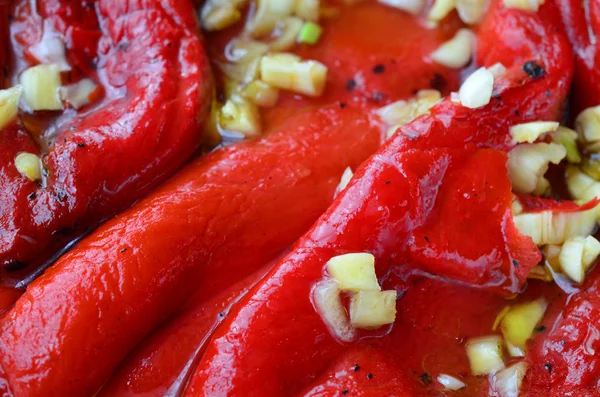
(457,52)
(485,354)
(328,304)
(526,5)
(290,72)
(29,165)
(581,186)
(450,382)
(528,162)
(78,94)
(471,11)
(40,87)
(587,125)
(307,9)
(287,32)
(508,382)
(441,9)
(240,115)
(267,13)
(530,132)
(371,309)
(9,105)
(220,14)
(354,272)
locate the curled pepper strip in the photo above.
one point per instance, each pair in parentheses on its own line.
(148,57)
(227,213)
(406,205)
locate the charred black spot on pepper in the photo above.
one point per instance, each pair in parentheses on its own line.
(81,145)
(547,93)
(351,84)
(377,69)
(356,368)
(516,112)
(425,378)
(32,196)
(533,69)
(515,263)
(426,239)
(222,314)
(370,375)
(438,82)
(548,367)
(11,17)
(342,105)
(14,266)
(388,182)
(378,96)
(345,391)
(541,328)
(123,250)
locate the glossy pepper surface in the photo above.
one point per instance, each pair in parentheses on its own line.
(150,61)
(440,178)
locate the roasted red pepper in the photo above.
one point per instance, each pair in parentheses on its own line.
(99,160)
(422,200)
(163,363)
(582,23)
(226,214)
(564,362)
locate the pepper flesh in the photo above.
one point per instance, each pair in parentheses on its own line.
(157,91)
(229,212)
(439,177)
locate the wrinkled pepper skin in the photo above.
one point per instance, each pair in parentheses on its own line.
(582,23)
(162,364)
(405,205)
(151,63)
(228,213)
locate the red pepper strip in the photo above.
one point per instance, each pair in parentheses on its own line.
(161,364)
(158,87)
(223,216)
(581,19)
(538,204)
(565,362)
(390,195)
(427,207)
(362,372)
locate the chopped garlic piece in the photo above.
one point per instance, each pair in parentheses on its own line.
(539,272)
(581,186)
(29,165)
(527,164)
(267,14)
(547,227)
(568,138)
(287,31)
(520,321)
(354,272)
(450,382)
(497,70)
(485,354)
(260,93)
(9,105)
(328,304)
(470,11)
(587,124)
(410,6)
(457,52)
(476,91)
(240,115)
(346,176)
(372,309)
(40,87)
(401,112)
(499,317)
(307,9)
(78,95)
(530,132)
(526,5)
(289,72)
(220,14)
(577,255)
(507,383)
(441,9)
(516,206)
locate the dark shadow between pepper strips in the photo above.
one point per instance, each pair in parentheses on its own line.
(436,197)
(149,59)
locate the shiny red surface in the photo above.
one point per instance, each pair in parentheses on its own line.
(151,63)
(422,200)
